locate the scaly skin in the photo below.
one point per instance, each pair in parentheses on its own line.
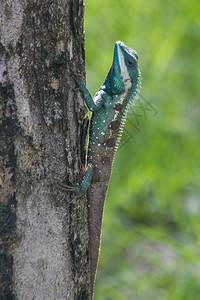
(109,108)
(101,155)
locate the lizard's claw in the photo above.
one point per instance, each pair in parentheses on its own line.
(76,89)
(77,78)
(65,187)
(74,199)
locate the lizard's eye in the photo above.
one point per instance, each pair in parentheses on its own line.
(130,62)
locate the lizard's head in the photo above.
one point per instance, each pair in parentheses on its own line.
(124,72)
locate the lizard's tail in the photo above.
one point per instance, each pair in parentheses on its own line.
(95,225)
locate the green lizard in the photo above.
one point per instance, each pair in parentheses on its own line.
(109,108)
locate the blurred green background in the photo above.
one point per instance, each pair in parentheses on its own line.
(151,231)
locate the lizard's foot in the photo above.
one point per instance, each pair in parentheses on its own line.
(77,78)
(74,189)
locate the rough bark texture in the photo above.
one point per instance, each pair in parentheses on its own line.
(44,238)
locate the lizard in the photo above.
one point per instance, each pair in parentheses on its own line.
(109,108)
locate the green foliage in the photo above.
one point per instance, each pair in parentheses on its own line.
(151,233)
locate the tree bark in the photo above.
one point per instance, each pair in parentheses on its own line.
(43,237)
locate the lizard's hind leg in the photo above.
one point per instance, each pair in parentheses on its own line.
(85,184)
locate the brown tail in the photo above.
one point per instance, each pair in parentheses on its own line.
(97,198)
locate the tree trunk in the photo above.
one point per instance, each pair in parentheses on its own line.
(44,237)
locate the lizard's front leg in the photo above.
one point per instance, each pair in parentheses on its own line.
(91,104)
